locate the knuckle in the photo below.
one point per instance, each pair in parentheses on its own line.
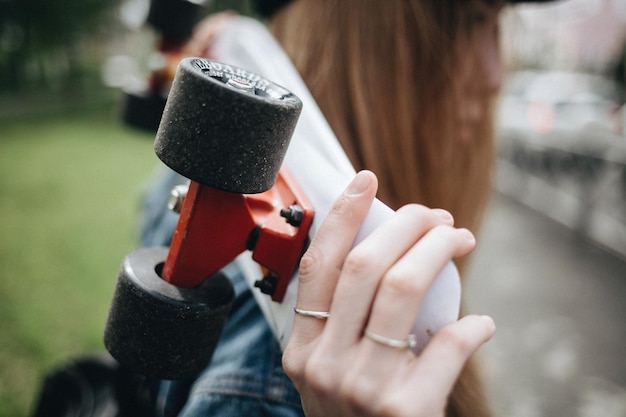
(359,392)
(398,280)
(292,366)
(319,375)
(357,262)
(455,341)
(310,261)
(390,408)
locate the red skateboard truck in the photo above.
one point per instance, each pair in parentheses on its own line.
(227,130)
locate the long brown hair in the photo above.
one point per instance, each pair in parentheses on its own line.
(383,74)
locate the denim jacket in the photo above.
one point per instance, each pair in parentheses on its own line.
(245,376)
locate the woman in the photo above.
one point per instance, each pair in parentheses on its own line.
(408,88)
(417,82)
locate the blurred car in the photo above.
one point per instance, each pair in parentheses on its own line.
(562,151)
(555,121)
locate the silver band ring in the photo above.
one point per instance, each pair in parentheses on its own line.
(410,341)
(311,313)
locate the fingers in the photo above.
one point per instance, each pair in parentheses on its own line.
(422,387)
(321,264)
(384,251)
(412,386)
(397,302)
(319,270)
(378,286)
(405,284)
(446,354)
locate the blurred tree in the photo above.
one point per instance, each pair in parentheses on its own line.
(39,39)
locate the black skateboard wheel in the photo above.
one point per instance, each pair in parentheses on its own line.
(225,127)
(160,330)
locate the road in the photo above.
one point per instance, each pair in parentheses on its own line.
(559,303)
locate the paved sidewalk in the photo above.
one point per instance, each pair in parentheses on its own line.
(559,303)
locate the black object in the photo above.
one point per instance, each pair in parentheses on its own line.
(143,110)
(160,330)
(266,8)
(174,19)
(94,386)
(225,127)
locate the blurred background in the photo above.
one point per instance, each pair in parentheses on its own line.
(551,262)
(76,155)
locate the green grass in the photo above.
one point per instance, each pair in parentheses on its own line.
(70,184)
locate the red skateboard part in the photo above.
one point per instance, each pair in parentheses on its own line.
(216,226)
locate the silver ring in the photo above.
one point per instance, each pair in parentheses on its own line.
(410,341)
(311,313)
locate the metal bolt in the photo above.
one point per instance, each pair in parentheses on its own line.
(177,196)
(268,284)
(293,215)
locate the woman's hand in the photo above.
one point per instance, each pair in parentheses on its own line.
(376,288)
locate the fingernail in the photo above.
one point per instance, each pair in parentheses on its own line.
(444,214)
(489,320)
(468,235)
(359,184)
